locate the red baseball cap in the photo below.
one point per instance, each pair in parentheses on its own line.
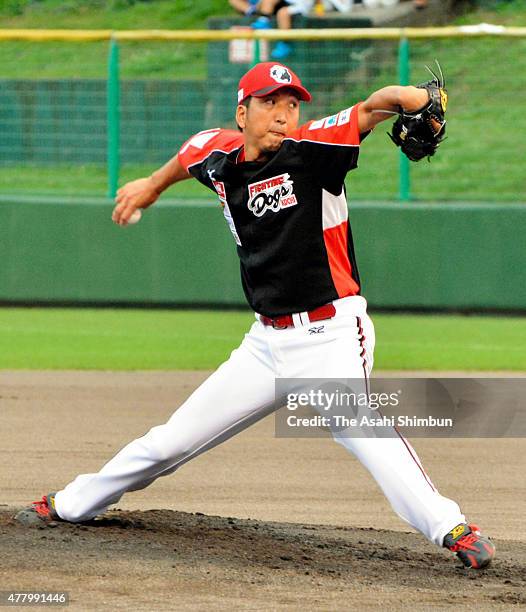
(267,77)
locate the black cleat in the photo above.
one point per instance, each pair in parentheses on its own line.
(472,548)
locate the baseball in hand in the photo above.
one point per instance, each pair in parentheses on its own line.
(135,218)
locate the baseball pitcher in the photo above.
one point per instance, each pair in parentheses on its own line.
(281,189)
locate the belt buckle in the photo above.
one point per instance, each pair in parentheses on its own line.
(276,326)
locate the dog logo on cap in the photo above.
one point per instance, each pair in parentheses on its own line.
(280,74)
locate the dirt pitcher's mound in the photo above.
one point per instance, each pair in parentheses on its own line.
(161,559)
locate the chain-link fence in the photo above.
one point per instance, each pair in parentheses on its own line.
(76,117)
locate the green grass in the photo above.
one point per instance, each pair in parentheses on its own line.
(88,60)
(106,339)
(447,342)
(107,14)
(505,12)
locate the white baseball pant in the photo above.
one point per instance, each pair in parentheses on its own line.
(242,391)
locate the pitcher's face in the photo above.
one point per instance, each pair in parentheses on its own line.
(268,120)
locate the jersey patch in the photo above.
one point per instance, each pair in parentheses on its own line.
(340,118)
(219,186)
(344,116)
(316,125)
(330,121)
(272,194)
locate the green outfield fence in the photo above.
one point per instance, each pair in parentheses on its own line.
(460,256)
(81,111)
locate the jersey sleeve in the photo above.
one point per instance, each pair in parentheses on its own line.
(197,149)
(331,146)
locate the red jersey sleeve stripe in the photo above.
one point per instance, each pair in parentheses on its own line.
(197,148)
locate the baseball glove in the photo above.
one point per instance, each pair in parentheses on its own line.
(419,133)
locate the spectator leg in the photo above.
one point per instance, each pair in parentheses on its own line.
(284,18)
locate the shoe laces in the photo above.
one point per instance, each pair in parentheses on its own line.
(467,542)
(42,507)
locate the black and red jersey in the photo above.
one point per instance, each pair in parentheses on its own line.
(288,215)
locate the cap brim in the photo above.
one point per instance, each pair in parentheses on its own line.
(304,95)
